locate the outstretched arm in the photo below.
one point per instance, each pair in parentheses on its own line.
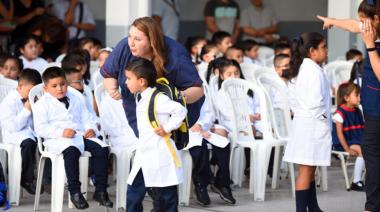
(345,24)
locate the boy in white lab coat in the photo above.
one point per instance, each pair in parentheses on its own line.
(156,163)
(16,125)
(62,119)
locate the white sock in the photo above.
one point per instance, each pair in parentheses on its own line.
(359,164)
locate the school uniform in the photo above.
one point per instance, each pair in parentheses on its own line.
(39,64)
(115,125)
(17,129)
(310,136)
(353,126)
(370,100)
(51,117)
(201,173)
(154,165)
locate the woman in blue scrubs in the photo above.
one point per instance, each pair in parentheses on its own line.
(171,60)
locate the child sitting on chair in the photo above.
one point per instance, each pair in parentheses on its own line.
(62,119)
(348,129)
(16,124)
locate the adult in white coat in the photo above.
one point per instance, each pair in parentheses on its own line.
(62,119)
(310,138)
(17,125)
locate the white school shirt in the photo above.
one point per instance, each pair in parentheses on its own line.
(152,154)
(310,137)
(115,124)
(39,64)
(51,118)
(16,121)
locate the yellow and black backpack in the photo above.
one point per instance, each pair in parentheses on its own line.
(180,136)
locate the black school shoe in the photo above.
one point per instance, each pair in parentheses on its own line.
(202,195)
(79,201)
(226,194)
(102,198)
(31,188)
(358,186)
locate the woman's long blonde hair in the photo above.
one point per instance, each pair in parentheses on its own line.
(152,30)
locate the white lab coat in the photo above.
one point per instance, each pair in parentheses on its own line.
(51,118)
(16,121)
(115,124)
(310,136)
(152,153)
(39,64)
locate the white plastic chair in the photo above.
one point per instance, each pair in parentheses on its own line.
(57,163)
(242,134)
(338,71)
(13,152)
(344,157)
(123,156)
(265,53)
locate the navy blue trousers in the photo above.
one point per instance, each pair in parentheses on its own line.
(201,165)
(28,156)
(165,199)
(100,156)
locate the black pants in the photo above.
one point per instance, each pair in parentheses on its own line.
(165,198)
(2,178)
(100,156)
(28,155)
(371,154)
(201,165)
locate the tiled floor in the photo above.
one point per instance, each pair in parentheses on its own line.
(336,199)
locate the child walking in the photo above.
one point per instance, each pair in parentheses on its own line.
(310,139)
(348,128)
(156,163)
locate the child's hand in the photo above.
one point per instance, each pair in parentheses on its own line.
(326,22)
(255,117)
(27,105)
(196,128)
(69,133)
(89,133)
(115,94)
(206,134)
(160,131)
(352,152)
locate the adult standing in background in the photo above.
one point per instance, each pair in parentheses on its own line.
(258,22)
(166,13)
(76,15)
(222,15)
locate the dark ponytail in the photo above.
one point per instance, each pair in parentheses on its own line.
(300,48)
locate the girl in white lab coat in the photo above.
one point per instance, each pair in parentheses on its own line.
(310,138)
(157,163)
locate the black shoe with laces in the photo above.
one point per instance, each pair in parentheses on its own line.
(79,201)
(202,195)
(358,186)
(102,198)
(226,194)
(31,188)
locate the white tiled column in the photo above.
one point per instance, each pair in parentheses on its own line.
(119,16)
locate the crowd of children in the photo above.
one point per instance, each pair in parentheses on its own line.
(68,118)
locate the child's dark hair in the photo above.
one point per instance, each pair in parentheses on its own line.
(31,76)
(215,64)
(25,40)
(206,49)
(286,72)
(246,45)
(143,68)
(51,73)
(218,37)
(356,71)
(352,53)
(97,42)
(192,41)
(3,58)
(17,60)
(78,57)
(344,90)
(69,71)
(280,47)
(84,41)
(300,49)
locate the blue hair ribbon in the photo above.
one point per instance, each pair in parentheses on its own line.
(371,2)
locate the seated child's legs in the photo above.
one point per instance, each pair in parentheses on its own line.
(222,158)
(357,149)
(221,132)
(100,157)
(71,158)
(28,155)
(167,197)
(201,165)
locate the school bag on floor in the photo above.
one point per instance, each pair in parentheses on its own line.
(180,136)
